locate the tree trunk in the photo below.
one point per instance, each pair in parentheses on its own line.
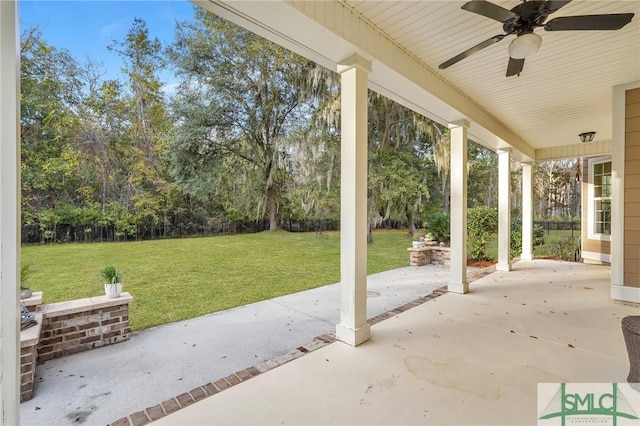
(446,193)
(410,220)
(273,208)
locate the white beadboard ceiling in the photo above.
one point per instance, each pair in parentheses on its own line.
(565,88)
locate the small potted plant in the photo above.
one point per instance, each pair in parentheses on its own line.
(418,239)
(112,281)
(25,291)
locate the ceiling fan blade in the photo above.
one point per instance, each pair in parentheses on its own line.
(471,51)
(515,67)
(553,5)
(490,10)
(613,21)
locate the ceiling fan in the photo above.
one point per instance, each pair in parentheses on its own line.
(521,21)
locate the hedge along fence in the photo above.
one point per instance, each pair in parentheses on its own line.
(66,233)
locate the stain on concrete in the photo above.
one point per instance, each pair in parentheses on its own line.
(456,374)
(81,416)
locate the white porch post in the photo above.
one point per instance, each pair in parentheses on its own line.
(458,283)
(504,210)
(353,327)
(9,214)
(527,212)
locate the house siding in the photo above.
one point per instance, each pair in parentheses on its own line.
(596,246)
(632,189)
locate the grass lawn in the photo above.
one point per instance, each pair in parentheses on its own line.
(172,280)
(555,235)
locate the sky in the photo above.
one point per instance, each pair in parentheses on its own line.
(85,28)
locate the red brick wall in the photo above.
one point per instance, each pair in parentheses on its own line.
(68,327)
(28,356)
(76,332)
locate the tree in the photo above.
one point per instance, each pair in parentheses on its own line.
(240,101)
(49,101)
(555,189)
(93,150)
(252,132)
(149,124)
(482,187)
(400,145)
(105,144)
(313,190)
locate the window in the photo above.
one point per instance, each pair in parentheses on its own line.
(600,200)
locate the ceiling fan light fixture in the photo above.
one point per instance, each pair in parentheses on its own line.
(587,136)
(524,45)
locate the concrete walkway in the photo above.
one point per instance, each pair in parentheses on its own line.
(474,359)
(101,386)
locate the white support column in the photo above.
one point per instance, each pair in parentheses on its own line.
(618,289)
(353,327)
(527,212)
(504,210)
(9,214)
(459,283)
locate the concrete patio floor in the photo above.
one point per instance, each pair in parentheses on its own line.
(454,360)
(164,363)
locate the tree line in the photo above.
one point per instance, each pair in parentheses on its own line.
(246,139)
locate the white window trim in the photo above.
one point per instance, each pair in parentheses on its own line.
(591,222)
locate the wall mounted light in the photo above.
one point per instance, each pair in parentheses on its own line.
(587,136)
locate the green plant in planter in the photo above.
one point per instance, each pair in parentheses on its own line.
(111,274)
(25,292)
(113,281)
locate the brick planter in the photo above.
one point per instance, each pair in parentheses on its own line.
(83,324)
(68,327)
(429,255)
(33,302)
(29,339)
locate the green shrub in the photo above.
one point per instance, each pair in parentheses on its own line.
(538,235)
(564,248)
(481,223)
(516,236)
(438,224)
(560,248)
(478,248)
